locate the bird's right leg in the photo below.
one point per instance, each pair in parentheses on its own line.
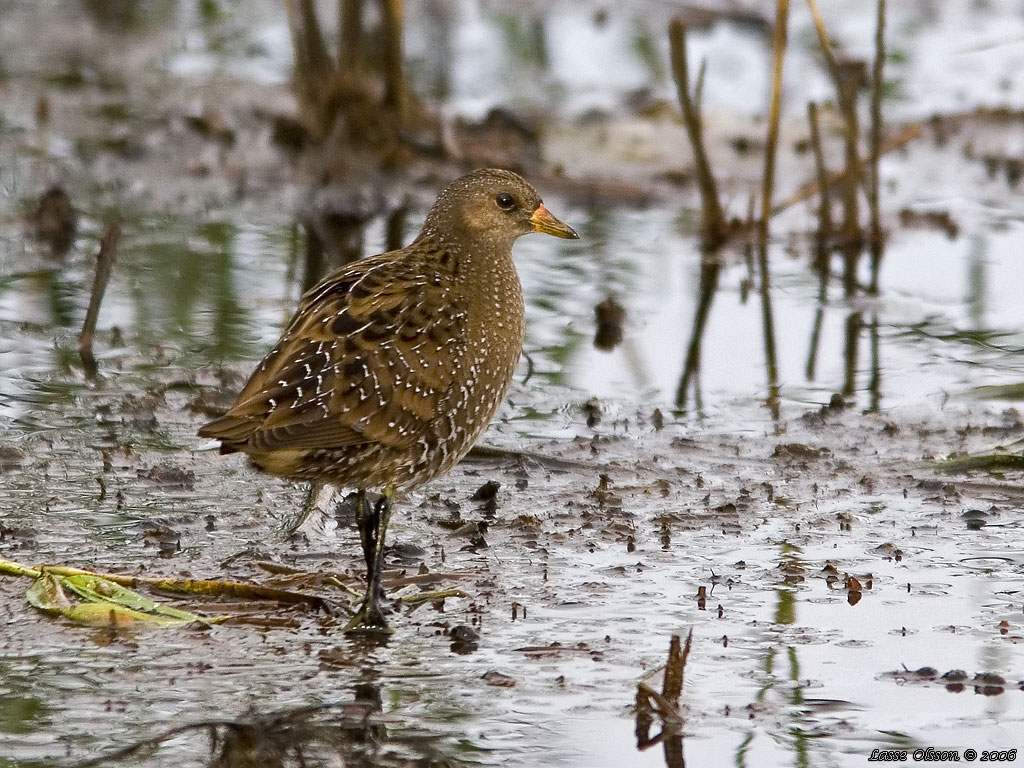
(315,519)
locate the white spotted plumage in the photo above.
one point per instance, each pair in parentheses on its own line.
(394,365)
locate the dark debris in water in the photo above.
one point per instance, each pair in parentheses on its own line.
(498,679)
(955,680)
(169,477)
(54,220)
(610,316)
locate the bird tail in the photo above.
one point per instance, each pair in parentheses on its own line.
(232,431)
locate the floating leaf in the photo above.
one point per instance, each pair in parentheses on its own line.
(102,602)
(106,598)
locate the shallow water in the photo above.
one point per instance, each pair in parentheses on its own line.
(767,510)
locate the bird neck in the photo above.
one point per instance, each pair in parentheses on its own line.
(470,258)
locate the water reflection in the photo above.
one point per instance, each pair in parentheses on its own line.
(792,731)
(710,268)
(768,331)
(350,733)
(855,329)
(217,291)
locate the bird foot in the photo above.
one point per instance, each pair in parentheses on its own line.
(369,618)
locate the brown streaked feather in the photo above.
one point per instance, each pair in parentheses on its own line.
(393,366)
(366,359)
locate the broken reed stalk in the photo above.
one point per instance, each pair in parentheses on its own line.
(104,266)
(666,703)
(393,14)
(713,225)
(672,688)
(396,226)
(314,47)
(315,261)
(825,206)
(772,142)
(875,141)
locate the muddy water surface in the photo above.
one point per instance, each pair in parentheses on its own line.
(846,592)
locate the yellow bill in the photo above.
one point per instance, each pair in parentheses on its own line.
(544,221)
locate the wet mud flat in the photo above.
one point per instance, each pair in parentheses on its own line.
(844,593)
(847,592)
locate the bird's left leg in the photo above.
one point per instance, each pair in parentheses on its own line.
(373,525)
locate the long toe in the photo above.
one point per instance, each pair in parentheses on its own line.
(369,618)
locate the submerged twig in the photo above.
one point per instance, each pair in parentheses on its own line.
(104,266)
(486,452)
(424,597)
(152,743)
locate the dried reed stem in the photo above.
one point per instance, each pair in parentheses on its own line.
(104,266)
(875,139)
(393,15)
(810,188)
(826,47)
(774,111)
(825,206)
(350,26)
(713,220)
(313,65)
(846,79)
(849,83)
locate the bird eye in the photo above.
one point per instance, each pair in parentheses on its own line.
(505,201)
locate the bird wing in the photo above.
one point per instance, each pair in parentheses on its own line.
(367,358)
